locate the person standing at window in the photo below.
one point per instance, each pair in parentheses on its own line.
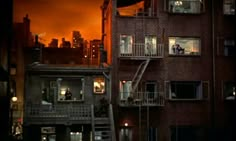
(68,94)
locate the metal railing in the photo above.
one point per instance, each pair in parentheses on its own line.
(71,112)
(143,99)
(142,50)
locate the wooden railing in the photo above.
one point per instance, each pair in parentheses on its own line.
(58,112)
(140,50)
(143,99)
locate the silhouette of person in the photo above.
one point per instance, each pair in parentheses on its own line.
(68,94)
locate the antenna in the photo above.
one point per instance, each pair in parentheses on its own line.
(40,35)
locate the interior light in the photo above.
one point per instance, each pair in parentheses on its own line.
(14,98)
(178,3)
(126,124)
(63,91)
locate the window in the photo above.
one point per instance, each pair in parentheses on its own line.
(187,90)
(229,90)
(48,134)
(48,90)
(99,85)
(229,48)
(13,69)
(76,136)
(150,45)
(125,134)
(70,89)
(125,89)
(152,134)
(151,90)
(184,46)
(187,133)
(185,6)
(229,7)
(126,42)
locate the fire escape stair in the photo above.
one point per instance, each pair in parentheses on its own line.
(138,75)
(102,127)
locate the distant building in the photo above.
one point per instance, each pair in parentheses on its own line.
(94,51)
(94,45)
(77,40)
(53,43)
(65,44)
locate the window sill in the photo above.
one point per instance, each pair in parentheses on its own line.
(70,101)
(185,100)
(182,13)
(184,55)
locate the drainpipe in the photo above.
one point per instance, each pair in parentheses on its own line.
(212,110)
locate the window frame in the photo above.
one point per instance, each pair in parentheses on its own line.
(200,90)
(201,7)
(153,50)
(130,50)
(226,96)
(104,89)
(179,38)
(122,97)
(228,46)
(225,3)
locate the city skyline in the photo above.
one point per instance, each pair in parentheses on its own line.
(63,17)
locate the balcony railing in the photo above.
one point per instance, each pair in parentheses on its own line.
(143,99)
(65,113)
(140,50)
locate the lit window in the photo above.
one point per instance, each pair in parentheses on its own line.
(125,134)
(125,89)
(48,134)
(76,136)
(229,7)
(184,46)
(99,85)
(185,6)
(69,89)
(150,45)
(126,42)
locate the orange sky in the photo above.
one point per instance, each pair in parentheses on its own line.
(58,18)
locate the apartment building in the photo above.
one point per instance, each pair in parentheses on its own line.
(65,101)
(173,69)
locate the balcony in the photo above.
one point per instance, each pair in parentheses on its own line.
(143,99)
(142,51)
(57,114)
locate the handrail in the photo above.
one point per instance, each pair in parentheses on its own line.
(142,50)
(78,111)
(93,123)
(112,123)
(145,99)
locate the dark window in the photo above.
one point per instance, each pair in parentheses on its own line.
(185,90)
(229,48)
(187,133)
(229,90)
